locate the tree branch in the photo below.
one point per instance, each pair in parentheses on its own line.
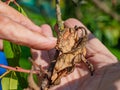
(18,69)
(59,18)
(102,6)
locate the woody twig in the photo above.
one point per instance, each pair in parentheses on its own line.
(59,18)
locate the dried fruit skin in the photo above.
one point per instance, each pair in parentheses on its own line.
(66,40)
(72,50)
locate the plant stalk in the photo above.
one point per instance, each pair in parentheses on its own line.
(59,18)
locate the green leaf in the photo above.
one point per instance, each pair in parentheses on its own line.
(24,62)
(16,50)
(7,49)
(10,83)
(12,52)
(20,9)
(22,79)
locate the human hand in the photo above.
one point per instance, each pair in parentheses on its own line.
(104,63)
(17,28)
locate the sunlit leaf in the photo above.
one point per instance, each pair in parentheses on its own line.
(10,83)
(20,9)
(7,49)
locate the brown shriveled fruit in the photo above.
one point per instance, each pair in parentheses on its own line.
(71,50)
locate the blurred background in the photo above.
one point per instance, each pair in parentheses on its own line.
(102,17)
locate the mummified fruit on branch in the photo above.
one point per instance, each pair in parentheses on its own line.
(72,51)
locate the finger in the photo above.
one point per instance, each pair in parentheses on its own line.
(93,45)
(46,30)
(17,17)
(42,57)
(16,33)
